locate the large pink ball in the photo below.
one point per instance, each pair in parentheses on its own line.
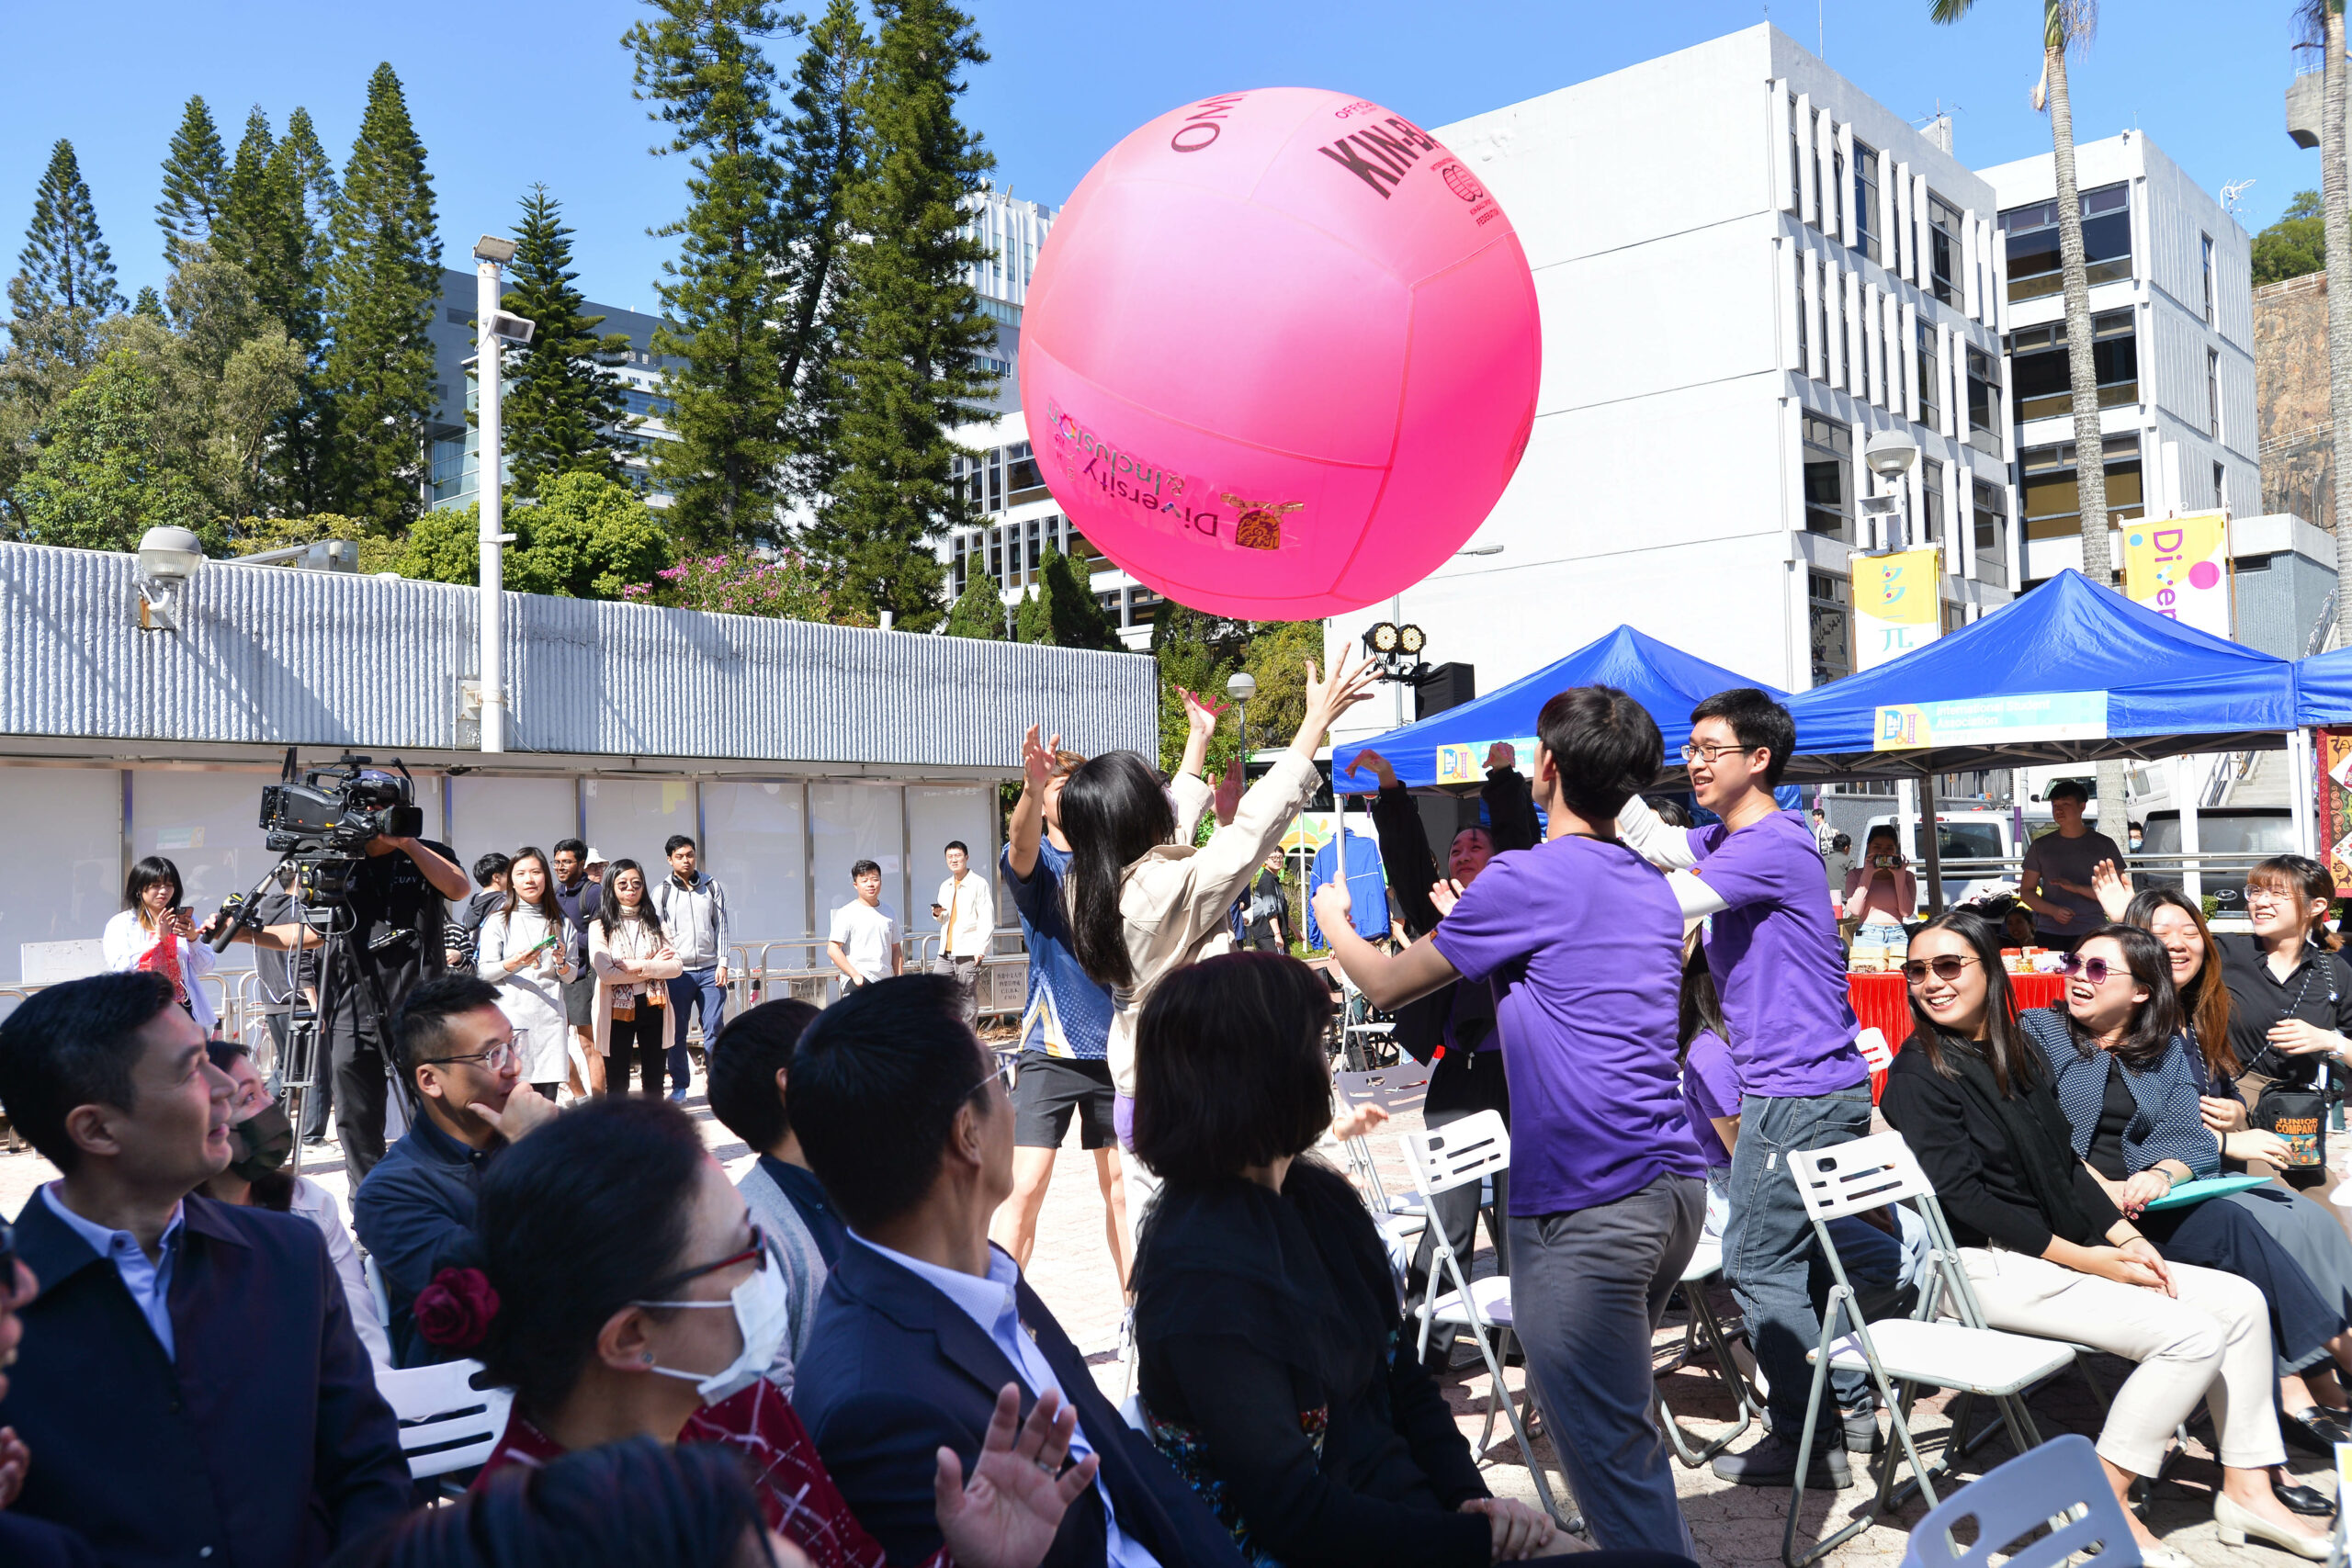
(1280,355)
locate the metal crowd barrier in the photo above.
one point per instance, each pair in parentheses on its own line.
(797,967)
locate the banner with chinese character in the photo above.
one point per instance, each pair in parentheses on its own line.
(2334,749)
(2181,566)
(1897,605)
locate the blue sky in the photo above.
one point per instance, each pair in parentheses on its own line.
(2205,81)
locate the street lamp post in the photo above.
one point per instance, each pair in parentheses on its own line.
(492,328)
(1241,686)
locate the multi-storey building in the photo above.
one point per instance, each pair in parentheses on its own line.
(1747,267)
(2172,324)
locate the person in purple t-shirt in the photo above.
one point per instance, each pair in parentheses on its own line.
(1583,943)
(1771,943)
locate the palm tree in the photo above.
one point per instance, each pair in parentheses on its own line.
(2323,23)
(2065,23)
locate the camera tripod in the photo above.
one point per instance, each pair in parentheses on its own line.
(299,1058)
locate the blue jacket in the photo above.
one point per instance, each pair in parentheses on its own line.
(263,1445)
(414,1212)
(2165,1126)
(896,1371)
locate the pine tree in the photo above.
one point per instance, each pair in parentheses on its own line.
(264,231)
(566,410)
(823,147)
(1061,610)
(301,463)
(912,329)
(149,304)
(195,184)
(380,290)
(980,609)
(699,65)
(65,262)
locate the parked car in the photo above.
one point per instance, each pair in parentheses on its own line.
(2241,830)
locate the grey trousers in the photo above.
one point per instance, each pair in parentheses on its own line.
(1588,1289)
(966,971)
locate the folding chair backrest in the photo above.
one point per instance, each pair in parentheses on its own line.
(1460,1154)
(1394,1089)
(376,1292)
(2061,1480)
(1867,1173)
(446,1423)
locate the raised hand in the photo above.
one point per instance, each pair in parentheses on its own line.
(1446,893)
(1228,792)
(1037,759)
(1202,712)
(1007,1515)
(1378,764)
(1501,754)
(1329,697)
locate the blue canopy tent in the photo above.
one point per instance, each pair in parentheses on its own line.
(1448,751)
(2323,689)
(2071,672)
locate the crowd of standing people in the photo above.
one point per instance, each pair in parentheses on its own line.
(838,1360)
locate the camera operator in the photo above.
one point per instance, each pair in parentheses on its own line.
(391,924)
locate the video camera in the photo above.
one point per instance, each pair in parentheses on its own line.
(336,811)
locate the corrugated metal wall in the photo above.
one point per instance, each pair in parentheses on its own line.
(275,656)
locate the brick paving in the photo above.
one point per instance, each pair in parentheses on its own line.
(1734,1527)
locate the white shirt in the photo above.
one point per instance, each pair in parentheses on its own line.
(867,933)
(994,1304)
(316,1204)
(148,1282)
(125,942)
(965,925)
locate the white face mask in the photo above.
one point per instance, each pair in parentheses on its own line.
(764,1316)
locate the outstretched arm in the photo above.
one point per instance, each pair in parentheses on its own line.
(1028,822)
(1390,981)
(1647,833)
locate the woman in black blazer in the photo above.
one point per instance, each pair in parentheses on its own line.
(1275,1372)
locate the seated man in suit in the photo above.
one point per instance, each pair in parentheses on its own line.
(196,1390)
(907,1121)
(25,1542)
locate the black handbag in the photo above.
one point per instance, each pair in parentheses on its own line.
(2299,1117)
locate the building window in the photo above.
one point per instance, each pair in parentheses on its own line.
(1833,216)
(1820,218)
(2214,393)
(1992,519)
(1022,482)
(2040,377)
(2030,237)
(2220,491)
(1804,339)
(1931,502)
(1830,623)
(2208,240)
(2052,504)
(1826,286)
(1828,477)
(1867,226)
(1931,378)
(1796,160)
(1983,403)
(1943,249)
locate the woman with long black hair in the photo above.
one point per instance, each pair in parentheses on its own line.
(526,952)
(153,933)
(2048,1253)
(634,964)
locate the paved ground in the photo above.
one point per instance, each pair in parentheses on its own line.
(1734,1527)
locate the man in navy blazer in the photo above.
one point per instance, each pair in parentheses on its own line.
(192,1391)
(905,1119)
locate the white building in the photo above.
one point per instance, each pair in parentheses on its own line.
(1746,266)
(2172,302)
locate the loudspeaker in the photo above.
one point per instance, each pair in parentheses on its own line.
(1447,686)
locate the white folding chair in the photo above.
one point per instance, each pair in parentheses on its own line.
(1706,1263)
(1397,1091)
(2059,1484)
(446,1424)
(1963,1355)
(1442,1158)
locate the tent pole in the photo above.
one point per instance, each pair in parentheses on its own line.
(1930,841)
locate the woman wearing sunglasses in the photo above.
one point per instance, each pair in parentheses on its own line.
(2049,1254)
(624,1292)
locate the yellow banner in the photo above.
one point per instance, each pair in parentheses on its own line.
(2181,566)
(1898,605)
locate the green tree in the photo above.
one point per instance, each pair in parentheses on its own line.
(586,536)
(230,378)
(195,184)
(65,262)
(699,65)
(149,304)
(565,411)
(301,181)
(785,585)
(1061,611)
(1276,658)
(822,145)
(1196,651)
(103,476)
(980,609)
(2295,245)
(380,290)
(911,327)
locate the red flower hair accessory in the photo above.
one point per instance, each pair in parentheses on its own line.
(454,1312)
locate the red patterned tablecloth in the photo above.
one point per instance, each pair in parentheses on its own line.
(1884,1002)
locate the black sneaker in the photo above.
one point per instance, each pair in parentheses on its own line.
(1862,1435)
(1773,1462)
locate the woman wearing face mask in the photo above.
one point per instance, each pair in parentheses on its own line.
(2048,1253)
(526,952)
(624,1292)
(152,933)
(632,959)
(260,1137)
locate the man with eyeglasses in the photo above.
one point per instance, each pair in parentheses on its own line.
(1754,879)
(463,1063)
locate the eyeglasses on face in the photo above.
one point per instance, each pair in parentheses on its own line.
(2095,970)
(1692,751)
(497,1059)
(1944,966)
(1002,1073)
(756,1255)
